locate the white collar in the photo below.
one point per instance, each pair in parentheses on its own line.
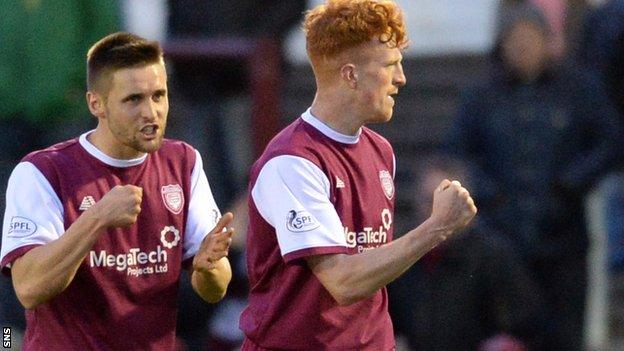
(327,131)
(115,162)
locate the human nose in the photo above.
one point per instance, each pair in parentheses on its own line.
(399,77)
(149,110)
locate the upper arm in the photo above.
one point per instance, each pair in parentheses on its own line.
(292,195)
(33,214)
(203,212)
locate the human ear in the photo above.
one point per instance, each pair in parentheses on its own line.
(349,75)
(95,102)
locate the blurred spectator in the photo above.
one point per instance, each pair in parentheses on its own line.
(564,18)
(471,290)
(539,135)
(209,86)
(601,30)
(211,112)
(614,185)
(602,49)
(42,87)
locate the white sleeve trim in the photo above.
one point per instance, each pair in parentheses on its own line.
(203,212)
(292,195)
(393,166)
(33,213)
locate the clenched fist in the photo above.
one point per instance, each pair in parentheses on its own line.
(453,208)
(120,207)
(215,245)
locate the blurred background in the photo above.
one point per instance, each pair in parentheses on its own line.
(520,100)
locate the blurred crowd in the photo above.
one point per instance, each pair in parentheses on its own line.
(531,141)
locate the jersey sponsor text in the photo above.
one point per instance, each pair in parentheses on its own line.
(132,261)
(369,238)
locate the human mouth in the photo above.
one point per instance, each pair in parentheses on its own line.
(391,97)
(149,131)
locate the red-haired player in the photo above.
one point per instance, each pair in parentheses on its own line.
(320,249)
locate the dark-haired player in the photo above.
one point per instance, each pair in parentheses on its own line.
(98,228)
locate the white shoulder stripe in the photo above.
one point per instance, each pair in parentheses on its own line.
(292,194)
(31,174)
(277,171)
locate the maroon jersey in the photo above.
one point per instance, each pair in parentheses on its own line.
(314,191)
(124,295)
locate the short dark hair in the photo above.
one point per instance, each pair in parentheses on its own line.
(119,50)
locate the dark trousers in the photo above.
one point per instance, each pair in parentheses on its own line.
(563,283)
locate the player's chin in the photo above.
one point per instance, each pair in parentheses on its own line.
(150,146)
(388,116)
(385,116)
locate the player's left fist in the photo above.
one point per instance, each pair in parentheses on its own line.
(215,245)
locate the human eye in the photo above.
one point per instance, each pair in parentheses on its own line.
(134,98)
(158,95)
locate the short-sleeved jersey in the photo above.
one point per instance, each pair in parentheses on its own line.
(315,191)
(124,295)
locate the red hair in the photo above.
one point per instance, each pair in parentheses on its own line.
(343,24)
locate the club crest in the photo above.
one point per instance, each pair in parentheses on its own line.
(387,184)
(173,197)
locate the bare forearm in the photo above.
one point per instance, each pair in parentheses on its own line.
(45,271)
(350,278)
(212,285)
(374,269)
(355,277)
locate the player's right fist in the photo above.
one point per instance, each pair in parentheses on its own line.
(453,208)
(120,207)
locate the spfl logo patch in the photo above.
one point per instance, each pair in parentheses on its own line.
(173,197)
(300,221)
(21,227)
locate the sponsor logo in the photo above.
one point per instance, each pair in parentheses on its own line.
(136,261)
(370,237)
(301,221)
(339,183)
(87,202)
(387,184)
(386,218)
(170,237)
(173,197)
(21,226)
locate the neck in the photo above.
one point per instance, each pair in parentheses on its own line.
(107,143)
(529,76)
(336,111)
